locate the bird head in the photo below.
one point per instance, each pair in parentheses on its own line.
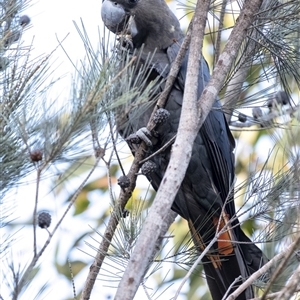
(149,22)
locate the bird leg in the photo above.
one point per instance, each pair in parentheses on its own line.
(143,134)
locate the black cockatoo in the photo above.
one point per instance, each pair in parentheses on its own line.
(205,198)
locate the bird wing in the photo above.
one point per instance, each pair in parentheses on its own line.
(204,198)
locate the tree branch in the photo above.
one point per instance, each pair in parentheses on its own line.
(187,131)
(269,296)
(137,266)
(235,85)
(132,175)
(37,255)
(139,155)
(285,255)
(228,55)
(288,291)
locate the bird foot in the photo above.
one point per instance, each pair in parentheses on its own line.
(143,134)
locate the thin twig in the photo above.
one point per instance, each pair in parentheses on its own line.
(266,119)
(36,257)
(165,146)
(232,284)
(291,287)
(270,296)
(234,86)
(114,145)
(185,137)
(38,179)
(175,67)
(132,175)
(284,255)
(219,34)
(200,257)
(72,278)
(111,226)
(288,253)
(138,265)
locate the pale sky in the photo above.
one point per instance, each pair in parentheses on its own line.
(49,18)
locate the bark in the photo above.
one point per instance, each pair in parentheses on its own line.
(171,182)
(188,129)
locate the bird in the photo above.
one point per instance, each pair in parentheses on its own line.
(206,196)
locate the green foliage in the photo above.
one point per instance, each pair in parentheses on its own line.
(76,267)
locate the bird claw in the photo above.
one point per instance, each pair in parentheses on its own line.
(143,134)
(133,139)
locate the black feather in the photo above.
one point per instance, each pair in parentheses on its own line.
(206,193)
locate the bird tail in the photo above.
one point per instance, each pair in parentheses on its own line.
(229,263)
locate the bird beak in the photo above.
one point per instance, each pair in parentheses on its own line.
(114,16)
